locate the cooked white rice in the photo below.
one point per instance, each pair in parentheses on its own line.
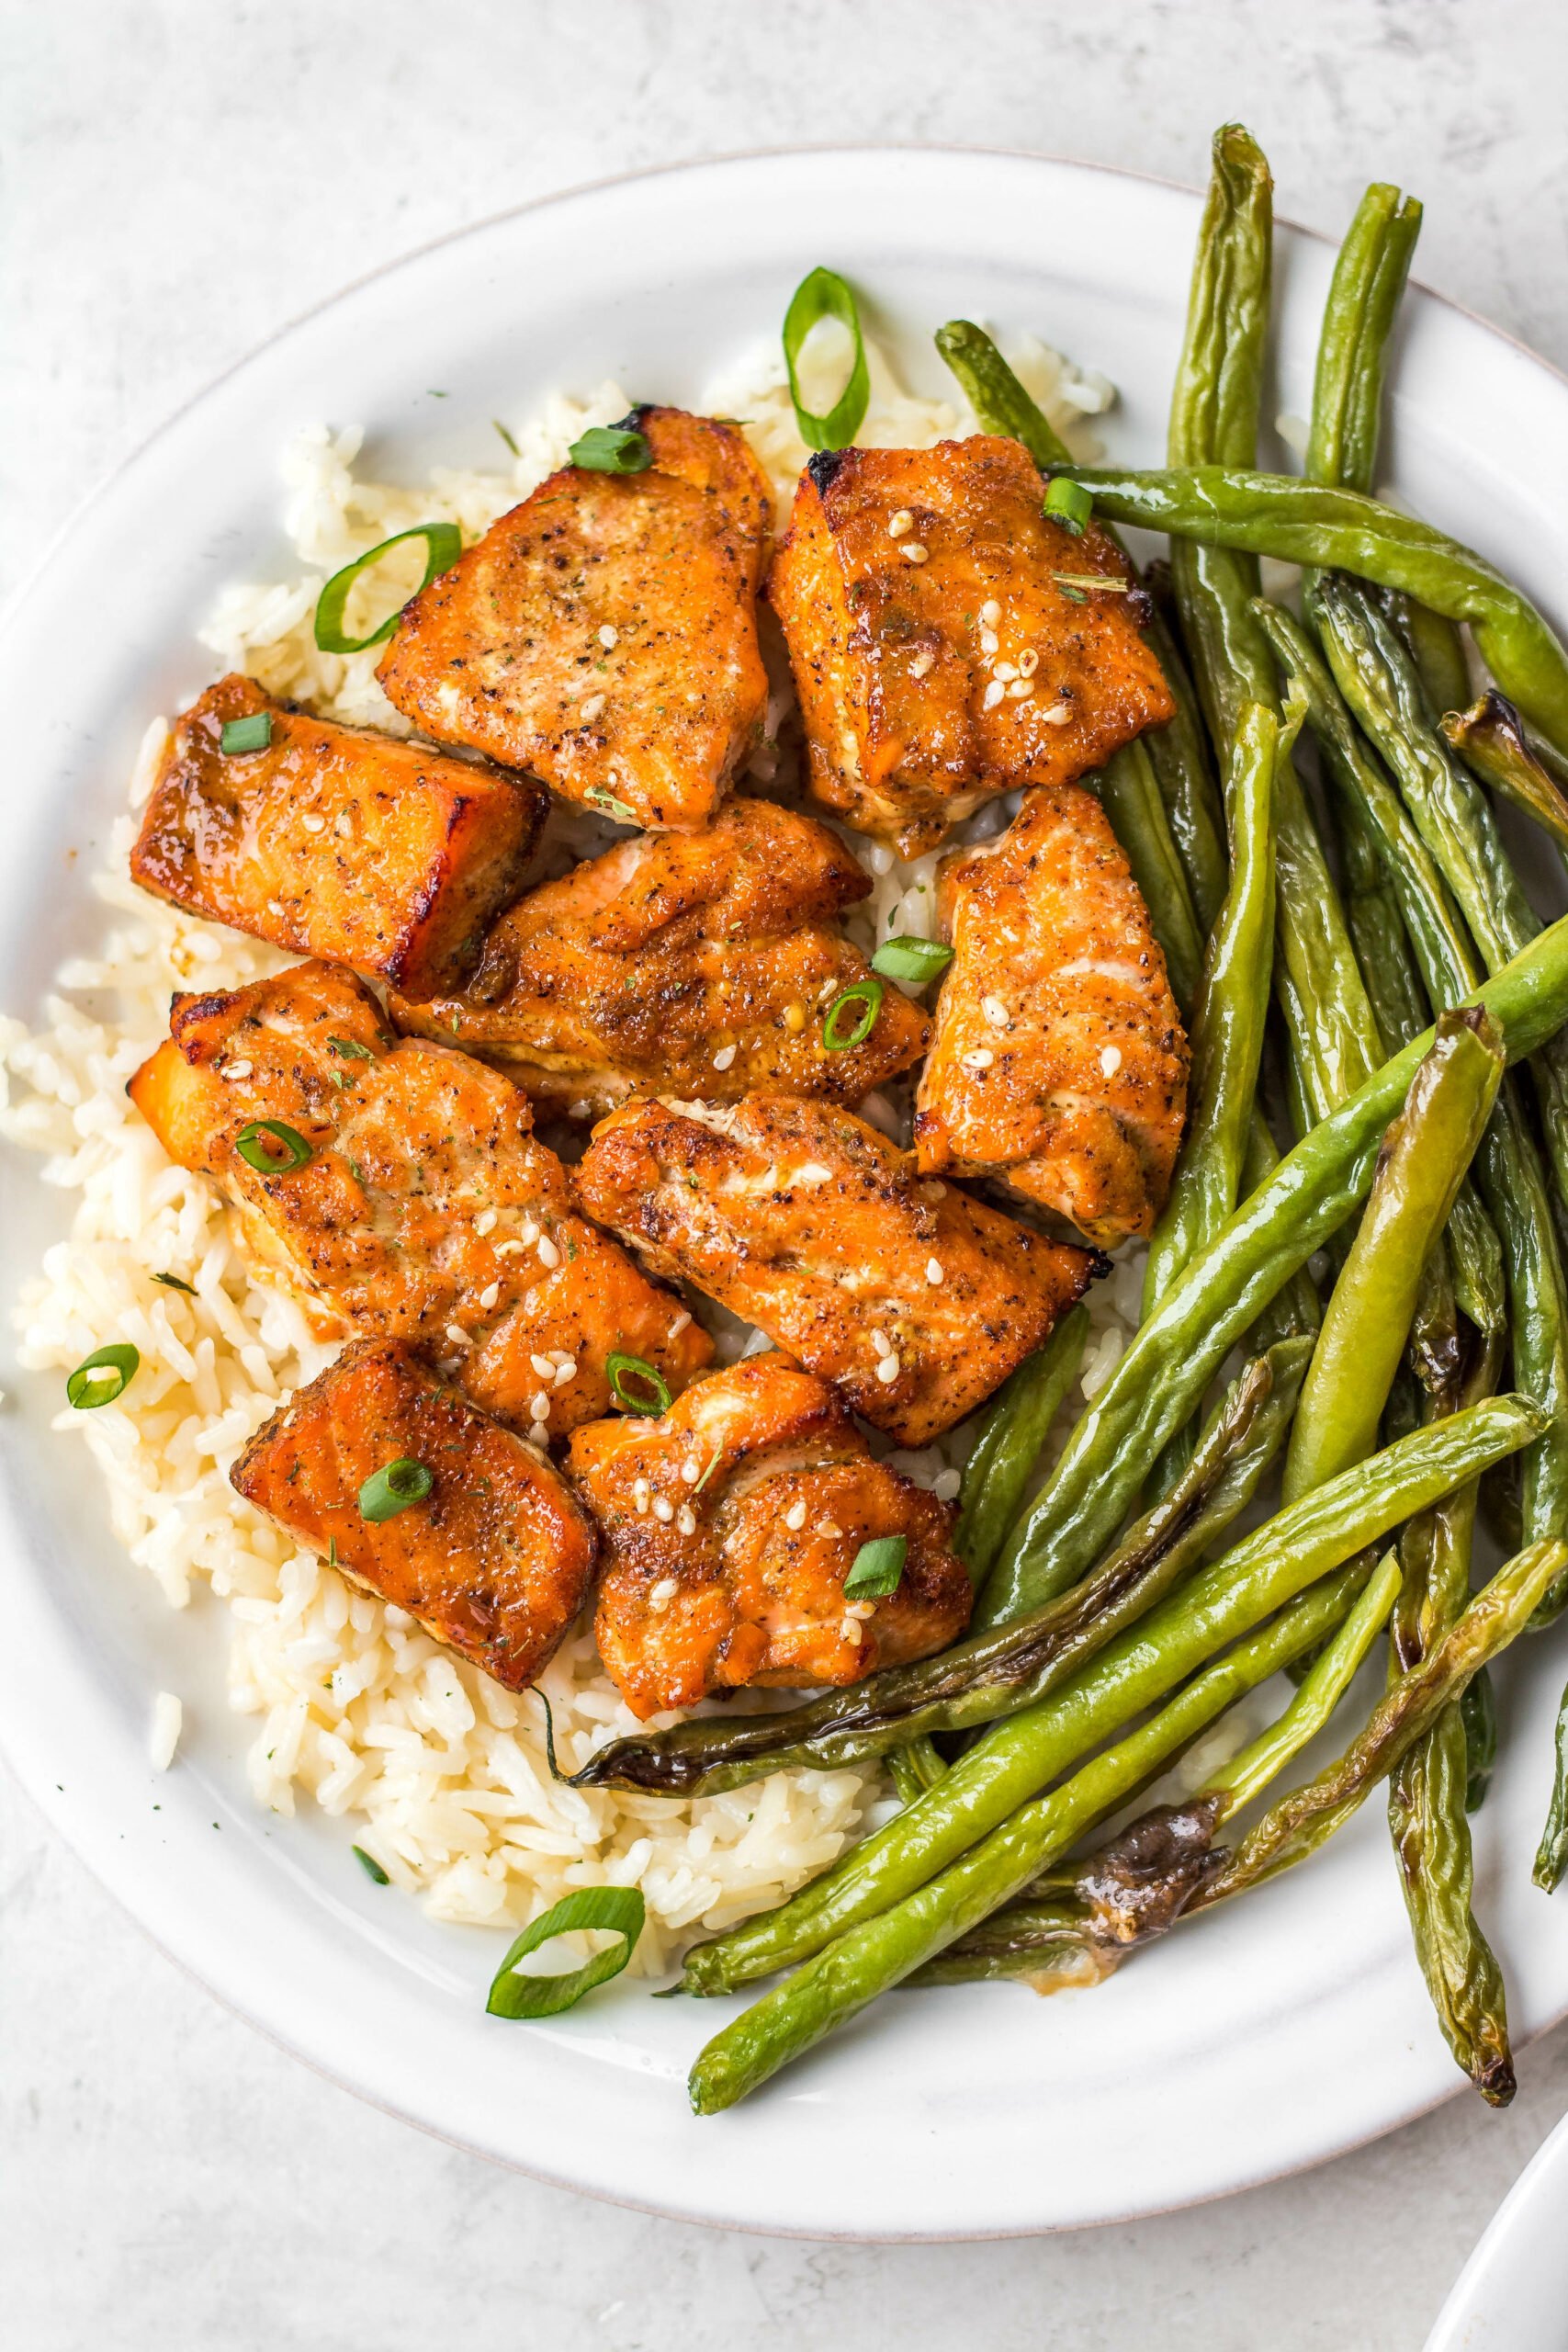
(445,1773)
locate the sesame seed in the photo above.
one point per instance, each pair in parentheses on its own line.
(564,1371)
(1111,1059)
(1028,662)
(663,1509)
(238,1070)
(609,638)
(914,551)
(987,640)
(680,1324)
(543,1367)
(897,524)
(686,1520)
(794,1517)
(887,1370)
(539,1433)
(934,1272)
(995,1012)
(312,824)
(981,1058)
(639,1493)
(861,1609)
(794,1019)
(507,1249)
(921,663)
(691,1471)
(528,1233)
(1003,670)
(990,613)
(343,825)
(933,1190)
(723,1057)
(485,1221)
(549,1254)
(1057,714)
(663,1593)
(1021,690)
(992,695)
(828,1527)
(880,1345)
(591,709)
(489,1296)
(458,1337)
(852,1631)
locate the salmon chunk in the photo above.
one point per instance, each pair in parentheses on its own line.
(494,1558)
(801,1218)
(334,841)
(1059,1059)
(424,1208)
(948,642)
(702,965)
(729,1528)
(603,634)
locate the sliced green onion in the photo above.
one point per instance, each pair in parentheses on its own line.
(99,1378)
(256,1145)
(610,805)
(369,1865)
(839,1040)
(252,733)
(707,1474)
(878,1566)
(392,1489)
(622,1368)
(176,1282)
(612,449)
(911,958)
(821,295)
(617,1910)
(444,545)
(351,1049)
(506,437)
(1069,504)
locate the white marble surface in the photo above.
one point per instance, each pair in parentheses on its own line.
(180,178)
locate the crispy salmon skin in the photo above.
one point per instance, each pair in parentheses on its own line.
(948,642)
(702,965)
(334,841)
(729,1527)
(1059,1059)
(603,634)
(494,1560)
(805,1220)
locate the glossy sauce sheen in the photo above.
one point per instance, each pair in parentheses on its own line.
(336,840)
(888,653)
(496,1560)
(417,1148)
(603,633)
(1078,1095)
(646,969)
(806,1221)
(729,1528)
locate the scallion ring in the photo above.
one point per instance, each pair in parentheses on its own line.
(612,449)
(825,295)
(369,1865)
(99,1378)
(392,1489)
(878,1566)
(444,545)
(260,1143)
(1069,504)
(252,733)
(911,958)
(835,1036)
(621,1369)
(176,1282)
(614,1910)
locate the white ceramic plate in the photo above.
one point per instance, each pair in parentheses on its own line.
(1513,2292)
(1259,2040)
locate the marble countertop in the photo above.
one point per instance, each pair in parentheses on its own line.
(178,181)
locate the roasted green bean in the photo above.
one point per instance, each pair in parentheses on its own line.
(1490,738)
(997,1474)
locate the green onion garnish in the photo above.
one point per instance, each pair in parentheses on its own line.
(821,295)
(444,545)
(1069,504)
(610,805)
(393,1489)
(623,1368)
(835,1036)
(252,733)
(506,437)
(617,1910)
(351,1049)
(260,1143)
(911,958)
(612,449)
(176,1282)
(707,1474)
(99,1378)
(369,1865)
(877,1568)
